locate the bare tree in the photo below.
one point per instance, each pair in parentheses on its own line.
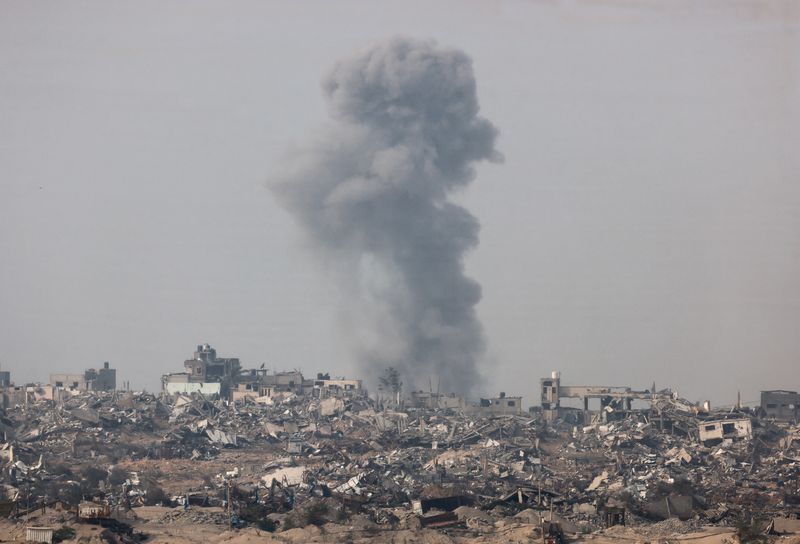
(390,382)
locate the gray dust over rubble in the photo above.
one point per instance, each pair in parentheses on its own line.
(371,192)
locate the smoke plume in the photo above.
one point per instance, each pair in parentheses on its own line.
(371,193)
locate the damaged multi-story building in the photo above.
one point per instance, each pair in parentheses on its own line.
(208,374)
(205,373)
(612,398)
(101,379)
(664,408)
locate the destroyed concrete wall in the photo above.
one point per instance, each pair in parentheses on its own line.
(436,401)
(15,395)
(326,387)
(288,379)
(45,392)
(213,388)
(249,390)
(174,377)
(76,382)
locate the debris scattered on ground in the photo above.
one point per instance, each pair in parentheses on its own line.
(298,461)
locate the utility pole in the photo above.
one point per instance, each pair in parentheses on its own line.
(230,505)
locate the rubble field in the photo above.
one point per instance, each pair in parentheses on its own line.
(138,467)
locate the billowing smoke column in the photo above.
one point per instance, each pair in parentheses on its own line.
(372,195)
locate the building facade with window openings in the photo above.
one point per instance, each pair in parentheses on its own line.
(781,405)
(714,432)
(500,405)
(101,379)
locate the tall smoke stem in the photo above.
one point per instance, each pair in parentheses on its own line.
(371,193)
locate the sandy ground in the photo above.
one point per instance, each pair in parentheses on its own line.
(712,535)
(148,520)
(151,520)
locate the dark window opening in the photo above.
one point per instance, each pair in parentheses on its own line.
(728,428)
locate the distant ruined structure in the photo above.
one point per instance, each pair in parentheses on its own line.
(211,375)
(102,379)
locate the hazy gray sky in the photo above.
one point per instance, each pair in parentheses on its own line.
(644,226)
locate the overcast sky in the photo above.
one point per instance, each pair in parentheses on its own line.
(644,225)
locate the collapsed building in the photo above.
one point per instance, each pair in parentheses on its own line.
(22,395)
(436,468)
(281,445)
(493,406)
(61,386)
(662,409)
(612,398)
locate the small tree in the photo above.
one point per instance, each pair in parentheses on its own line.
(390,381)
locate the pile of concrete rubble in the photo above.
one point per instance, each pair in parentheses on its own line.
(432,468)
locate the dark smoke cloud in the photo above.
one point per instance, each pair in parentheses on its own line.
(371,193)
